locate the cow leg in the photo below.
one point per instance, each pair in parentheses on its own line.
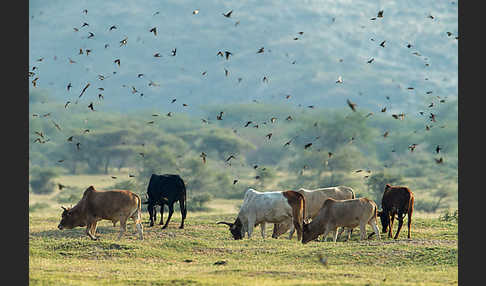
(335,234)
(409,223)
(251,225)
(137,220)
(375,229)
(161,214)
(392,218)
(275,230)
(151,209)
(292,230)
(325,233)
(362,230)
(400,223)
(341,230)
(171,211)
(182,206)
(89,228)
(123,226)
(262,226)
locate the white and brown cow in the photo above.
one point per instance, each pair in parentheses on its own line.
(342,213)
(115,205)
(314,200)
(259,208)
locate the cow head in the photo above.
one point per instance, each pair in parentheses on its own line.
(71,218)
(385,220)
(235,228)
(307,233)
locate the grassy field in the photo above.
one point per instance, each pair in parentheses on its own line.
(187,257)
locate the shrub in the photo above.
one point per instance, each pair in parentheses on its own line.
(41,181)
(38,206)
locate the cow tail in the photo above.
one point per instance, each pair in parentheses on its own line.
(139,210)
(303,209)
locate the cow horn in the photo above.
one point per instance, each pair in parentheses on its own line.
(63,208)
(226,223)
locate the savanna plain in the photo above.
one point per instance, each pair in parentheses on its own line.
(204,253)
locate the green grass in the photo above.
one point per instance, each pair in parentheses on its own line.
(69,257)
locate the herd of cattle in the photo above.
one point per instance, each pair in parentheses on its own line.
(310,212)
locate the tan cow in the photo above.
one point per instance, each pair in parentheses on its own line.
(342,213)
(115,205)
(314,200)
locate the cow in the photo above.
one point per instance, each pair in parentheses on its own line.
(314,200)
(166,190)
(96,205)
(342,213)
(259,208)
(396,200)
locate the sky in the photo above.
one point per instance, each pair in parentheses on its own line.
(308,45)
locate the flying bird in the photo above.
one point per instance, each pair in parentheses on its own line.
(68,102)
(261,50)
(339,80)
(269,135)
(174,51)
(91,106)
(307,145)
(112,28)
(383,44)
(195,12)
(351,105)
(203,156)
(117,61)
(385,134)
(154,30)
(84,89)
(220,116)
(380,14)
(123,42)
(412,147)
(226,72)
(437,149)
(439,161)
(371,60)
(91,35)
(230,157)
(227,54)
(228,14)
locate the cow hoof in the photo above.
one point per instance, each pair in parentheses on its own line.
(181,227)
(164,227)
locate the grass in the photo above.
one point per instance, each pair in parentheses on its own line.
(186,257)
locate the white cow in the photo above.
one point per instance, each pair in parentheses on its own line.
(268,207)
(314,200)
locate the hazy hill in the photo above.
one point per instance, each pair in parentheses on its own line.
(338,39)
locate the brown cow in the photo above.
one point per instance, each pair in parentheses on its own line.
(397,200)
(115,205)
(342,213)
(314,200)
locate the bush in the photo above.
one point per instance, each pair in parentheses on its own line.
(41,181)
(198,201)
(38,206)
(452,216)
(425,206)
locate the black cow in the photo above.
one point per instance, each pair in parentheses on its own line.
(166,190)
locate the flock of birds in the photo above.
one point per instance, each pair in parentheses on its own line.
(85,26)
